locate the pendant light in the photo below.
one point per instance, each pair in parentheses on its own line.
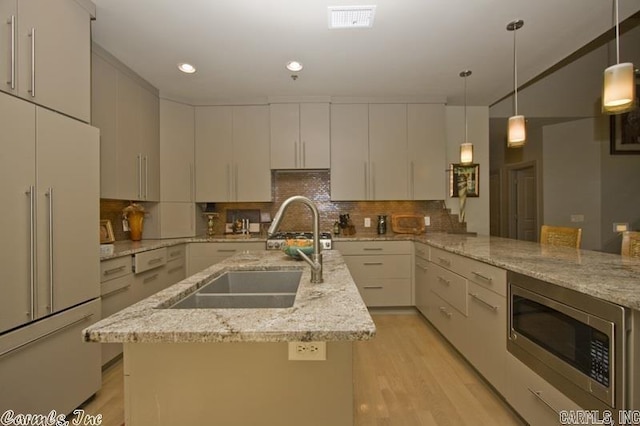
(466,148)
(517,132)
(618,91)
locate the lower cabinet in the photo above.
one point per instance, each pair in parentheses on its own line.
(203,255)
(381,270)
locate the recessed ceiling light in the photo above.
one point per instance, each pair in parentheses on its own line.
(186,68)
(351,16)
(294,66)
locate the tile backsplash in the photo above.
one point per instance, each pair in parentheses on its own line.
(315,185)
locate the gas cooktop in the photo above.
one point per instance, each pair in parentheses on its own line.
(277,240)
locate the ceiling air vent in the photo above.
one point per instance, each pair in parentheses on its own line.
(351,16)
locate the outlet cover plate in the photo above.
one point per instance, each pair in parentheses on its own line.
(307,351)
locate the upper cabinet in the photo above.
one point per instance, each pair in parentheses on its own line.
(387,152)
(232,154)
(427,147)
(300,136)
(177,144)
(126,109)
(45,54)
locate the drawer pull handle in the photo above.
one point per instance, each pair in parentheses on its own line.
(372,263)
(150,278)
(444,281)
(538,395)
(444,312)
(175,253)
(484,277)
(444,261)
(114,270)
(373,287)
(487,304)
(373,249)
(155,260)
(176,269)
(227,250)
(424,268)
(118,290)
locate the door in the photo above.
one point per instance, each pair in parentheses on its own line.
(176,147)
(8,46)
(426,151)
(251,170)
(68,188)
(523,204)
(388,152)
(349,151)
(285,134)
(17,177)
(314,135)
(213,153)
(128,155)
(149,122)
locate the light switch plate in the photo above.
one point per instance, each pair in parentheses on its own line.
(367,222)
(427,221)
(620,227)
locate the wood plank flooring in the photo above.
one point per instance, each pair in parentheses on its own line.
(407,376)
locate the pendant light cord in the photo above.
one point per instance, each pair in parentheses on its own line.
(466,139)
(515,72)
(617,33)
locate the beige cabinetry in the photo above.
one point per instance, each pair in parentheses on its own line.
(300,136)
(49,163)
(426,141)
(150,270)
(126,110)
(40,40)
(177,144)
(387,151)
(232,154)
(117,292)
(381,270)
(176,264)
(203,255)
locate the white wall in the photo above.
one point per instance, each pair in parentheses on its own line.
(477,209)
(573,187)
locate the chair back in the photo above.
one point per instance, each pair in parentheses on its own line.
(561,236)
(630,244)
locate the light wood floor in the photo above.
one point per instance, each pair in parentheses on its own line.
(407,376)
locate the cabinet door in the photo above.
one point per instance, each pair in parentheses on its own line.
(176,151)
(388,152)
(129,158)
(17,176)
(349,151)
(104,99)
(285,136)
(427,151)
(251,170)
(149,122)
(421,284)
(315,136)
(68,185)
(60,76)
(8,46)
(213,153)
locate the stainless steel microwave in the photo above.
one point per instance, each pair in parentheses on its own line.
(573,340)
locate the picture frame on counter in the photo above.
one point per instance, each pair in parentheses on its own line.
(106,232)
(624,129)
(461,174)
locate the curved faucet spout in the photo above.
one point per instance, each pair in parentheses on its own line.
(316,258)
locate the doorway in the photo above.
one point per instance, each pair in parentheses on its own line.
(523,202)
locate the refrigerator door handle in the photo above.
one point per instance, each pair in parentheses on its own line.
(45,335)
(49,194)
(32,251)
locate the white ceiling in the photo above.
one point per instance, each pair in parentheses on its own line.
(415,48)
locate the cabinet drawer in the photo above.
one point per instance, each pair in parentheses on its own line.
(176,252)
(450,287)
(395,266)
(115,268)
(148,260)
(176,271)
(385,291)
(444,258)
(488,276)
(421,250)
(451,323)
(373,247)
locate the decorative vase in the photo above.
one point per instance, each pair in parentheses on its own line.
(135,219)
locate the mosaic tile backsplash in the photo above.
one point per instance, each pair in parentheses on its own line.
(315,185)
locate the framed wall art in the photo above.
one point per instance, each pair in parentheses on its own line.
(464,175)
(106,232)
(625,129)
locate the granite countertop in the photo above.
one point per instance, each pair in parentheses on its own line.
(330,311)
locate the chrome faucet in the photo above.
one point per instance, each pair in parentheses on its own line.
(316,258)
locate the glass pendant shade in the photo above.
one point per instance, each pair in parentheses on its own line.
(517,132)
(619,88)
(466,153)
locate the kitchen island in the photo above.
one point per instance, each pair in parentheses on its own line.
(231,366)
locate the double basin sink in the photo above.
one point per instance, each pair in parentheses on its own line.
(245,289)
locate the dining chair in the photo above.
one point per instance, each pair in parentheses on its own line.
(630,244)
(561,236)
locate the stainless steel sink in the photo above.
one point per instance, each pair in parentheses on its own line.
(245,289)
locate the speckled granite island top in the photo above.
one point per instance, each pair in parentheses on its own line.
(330,311)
